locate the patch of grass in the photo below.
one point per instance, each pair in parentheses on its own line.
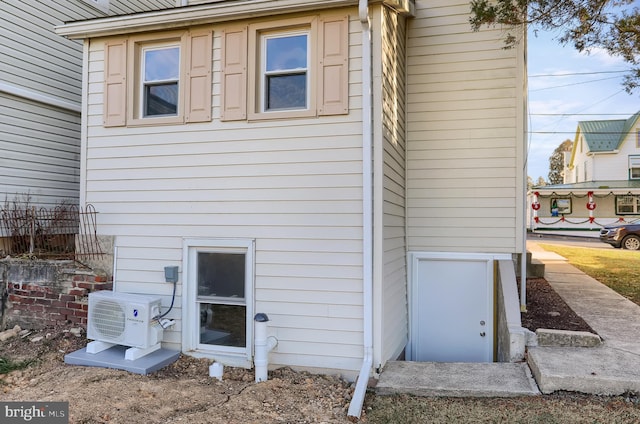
(7,365)
(615,268)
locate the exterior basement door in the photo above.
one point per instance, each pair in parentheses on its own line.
(452,307)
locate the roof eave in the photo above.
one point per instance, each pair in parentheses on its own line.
(190,16)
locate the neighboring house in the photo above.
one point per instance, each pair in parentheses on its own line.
(352,170)
(40,96)
(601,180)
(40,99)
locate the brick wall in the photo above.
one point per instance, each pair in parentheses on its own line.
(39,294)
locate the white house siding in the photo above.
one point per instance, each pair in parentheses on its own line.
(389,132)
(295,186)
(41,127)
(464,148)
(40,152)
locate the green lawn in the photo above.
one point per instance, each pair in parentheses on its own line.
(618,269)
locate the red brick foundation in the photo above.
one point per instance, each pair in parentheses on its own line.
(40,304)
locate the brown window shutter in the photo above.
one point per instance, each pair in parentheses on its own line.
(198,80)
(115,83)
(234,75)
(333,67)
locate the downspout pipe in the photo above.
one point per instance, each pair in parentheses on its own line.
(355,407)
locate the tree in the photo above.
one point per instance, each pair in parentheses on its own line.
(556,162)
(612,25)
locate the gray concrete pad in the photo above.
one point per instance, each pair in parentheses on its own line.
(457,379)
(600,370)
(114,358)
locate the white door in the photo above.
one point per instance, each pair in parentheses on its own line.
(452,308)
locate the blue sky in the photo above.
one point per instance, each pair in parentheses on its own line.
(566,87)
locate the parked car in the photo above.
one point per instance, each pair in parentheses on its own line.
(626,236)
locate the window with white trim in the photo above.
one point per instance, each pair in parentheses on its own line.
(628,204)
(159,80)
(219,287)
(284,69)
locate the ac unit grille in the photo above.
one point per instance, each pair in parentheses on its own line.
(108,318)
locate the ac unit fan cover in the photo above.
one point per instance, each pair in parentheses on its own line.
(108,319)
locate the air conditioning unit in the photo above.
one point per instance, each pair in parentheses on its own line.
(123,319)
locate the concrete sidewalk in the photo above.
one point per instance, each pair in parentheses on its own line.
(611,368)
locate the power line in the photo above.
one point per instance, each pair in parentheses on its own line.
(569,74)
(572,84)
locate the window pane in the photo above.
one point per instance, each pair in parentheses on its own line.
(286,53)
(635,172)
(286,92)
(221,274)
(161,99)
(223,325)
(162,64)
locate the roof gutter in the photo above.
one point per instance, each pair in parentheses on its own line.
(180,17)
(355,407)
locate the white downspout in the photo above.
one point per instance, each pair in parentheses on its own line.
(355,407)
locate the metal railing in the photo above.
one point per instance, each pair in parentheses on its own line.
(61,232)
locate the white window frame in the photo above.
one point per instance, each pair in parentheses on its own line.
(233,356)
(142,83)
(264,74)
(255,64)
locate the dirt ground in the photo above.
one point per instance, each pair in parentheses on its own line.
(184,392)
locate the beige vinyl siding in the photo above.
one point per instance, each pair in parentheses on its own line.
(464,141)
(391,170)
(295,186)
(40,152)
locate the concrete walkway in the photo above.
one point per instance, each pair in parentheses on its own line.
(611,368)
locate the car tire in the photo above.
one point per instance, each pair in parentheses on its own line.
(631,243)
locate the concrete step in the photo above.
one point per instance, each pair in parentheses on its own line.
(535,269)
(457,379)
(598,370)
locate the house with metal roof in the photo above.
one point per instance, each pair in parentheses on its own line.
(601,179)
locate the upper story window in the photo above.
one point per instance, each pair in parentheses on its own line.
(155,79)
(289,68)
(285,71)
(160,78)
(634,167)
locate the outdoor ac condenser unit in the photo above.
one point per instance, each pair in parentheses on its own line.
(123,319)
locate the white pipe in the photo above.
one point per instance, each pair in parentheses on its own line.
(355,407)
(263,345)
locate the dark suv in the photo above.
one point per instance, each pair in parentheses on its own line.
(626,236)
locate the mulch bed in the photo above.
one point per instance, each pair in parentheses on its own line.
(546,309)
